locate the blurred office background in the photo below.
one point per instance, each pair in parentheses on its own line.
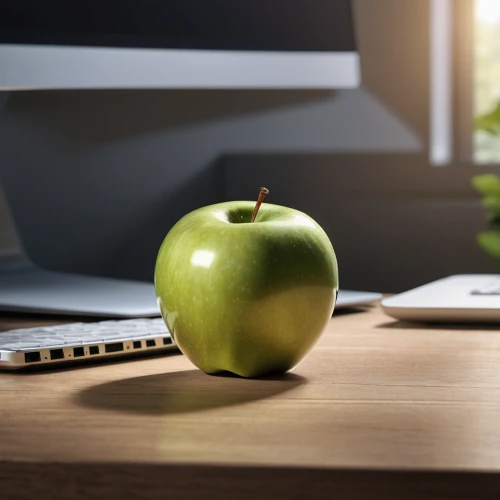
(95,179)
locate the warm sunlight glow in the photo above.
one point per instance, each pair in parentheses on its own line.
(486,146)
(488,11)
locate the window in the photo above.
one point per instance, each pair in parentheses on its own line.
(486,81)
(465,82)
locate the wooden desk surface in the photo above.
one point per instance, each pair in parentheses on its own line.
(378,409)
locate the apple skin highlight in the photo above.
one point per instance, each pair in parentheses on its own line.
(247,298)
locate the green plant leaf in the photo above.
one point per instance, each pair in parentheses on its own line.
(489,122)
(491,201)
(487,184)
(489,241)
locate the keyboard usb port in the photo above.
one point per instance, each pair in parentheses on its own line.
(117,347)
(151,343)
(32,357)
(56,354)
(78,352)
(167,340)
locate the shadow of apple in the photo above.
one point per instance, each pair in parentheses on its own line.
(183,392)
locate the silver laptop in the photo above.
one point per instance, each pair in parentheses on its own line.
(26,288)
(464,298)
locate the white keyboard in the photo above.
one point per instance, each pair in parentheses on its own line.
(82,333)
(76,341)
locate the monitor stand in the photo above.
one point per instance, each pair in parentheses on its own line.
(26,288)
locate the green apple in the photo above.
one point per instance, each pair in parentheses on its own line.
(246,297)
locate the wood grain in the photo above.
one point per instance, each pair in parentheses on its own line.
(377,408)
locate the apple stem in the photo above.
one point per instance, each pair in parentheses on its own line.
(263,192)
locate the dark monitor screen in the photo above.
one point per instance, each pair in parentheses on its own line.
(254,25)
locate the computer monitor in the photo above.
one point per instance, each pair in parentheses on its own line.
(56,44)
